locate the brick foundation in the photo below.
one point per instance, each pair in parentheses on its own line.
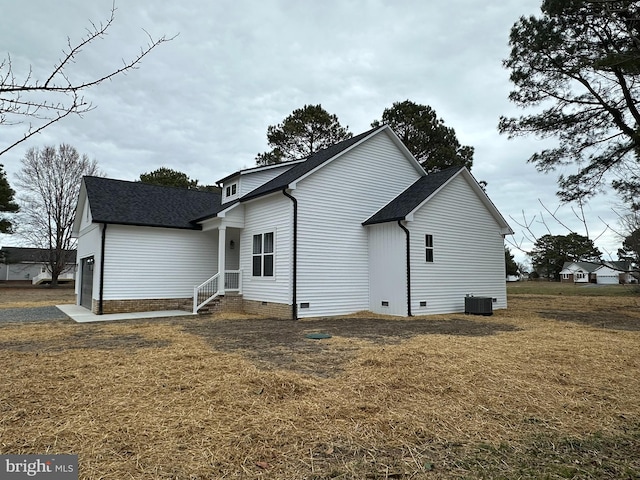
(230,303)
(268,309)
(143,305)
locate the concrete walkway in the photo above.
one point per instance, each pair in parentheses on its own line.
(82,315)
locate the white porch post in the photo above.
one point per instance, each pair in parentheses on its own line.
(222,246)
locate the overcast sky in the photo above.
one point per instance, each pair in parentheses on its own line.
(202,103)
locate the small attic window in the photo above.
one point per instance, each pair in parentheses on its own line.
(232,190)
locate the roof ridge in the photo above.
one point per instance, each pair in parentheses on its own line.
(150,185)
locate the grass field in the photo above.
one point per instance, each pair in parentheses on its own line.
(546,389)
(557,288)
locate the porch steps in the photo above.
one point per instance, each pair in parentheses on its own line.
(212,307)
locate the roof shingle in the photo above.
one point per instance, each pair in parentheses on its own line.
(29,255)
(135,203)
(412,197)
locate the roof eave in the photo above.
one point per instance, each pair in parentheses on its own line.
(152,225)
(383,220)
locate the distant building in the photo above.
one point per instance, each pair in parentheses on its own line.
(18,264)
(603,273)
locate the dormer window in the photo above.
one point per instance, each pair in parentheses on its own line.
(232,190)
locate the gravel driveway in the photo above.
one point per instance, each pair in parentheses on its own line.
(33,314)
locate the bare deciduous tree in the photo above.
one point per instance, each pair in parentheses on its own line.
(38,103)
(50,182)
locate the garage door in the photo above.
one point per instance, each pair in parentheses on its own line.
(607,279)
(86,287)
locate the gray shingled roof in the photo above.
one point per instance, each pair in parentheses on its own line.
(29,255)
(591,267)
(136,203)
(412,197)
(283,180)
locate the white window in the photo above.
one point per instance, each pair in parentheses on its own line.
(580,275)
(263,254)
(428,245)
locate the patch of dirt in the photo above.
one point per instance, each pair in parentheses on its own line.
(623,318)
(282,343)
(271,344)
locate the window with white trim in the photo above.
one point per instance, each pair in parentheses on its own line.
(231,190)
(263,255)
(428,246)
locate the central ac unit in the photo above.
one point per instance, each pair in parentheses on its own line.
(478,305)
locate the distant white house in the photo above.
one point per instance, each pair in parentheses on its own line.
(19,264)
(603,273)
(356,226)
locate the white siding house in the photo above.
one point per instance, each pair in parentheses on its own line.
(333,202)
(31,265)
(322,236)
(600,272)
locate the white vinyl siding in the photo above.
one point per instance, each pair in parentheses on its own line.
(20,271)
(469,252)
(388,269)
(249,181)
(333,254)
(85,220)
(273,213)
(154,263)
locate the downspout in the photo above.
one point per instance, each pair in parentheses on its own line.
(100,299)
(406,231)
(294,293)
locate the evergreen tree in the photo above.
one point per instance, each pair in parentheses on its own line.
(169,178)
(550,252)
(426,136)
(7,204)
(576,68)
(301,134)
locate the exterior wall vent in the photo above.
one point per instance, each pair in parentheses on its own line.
(385,303)
(478,305)
(423,304)
(304,305)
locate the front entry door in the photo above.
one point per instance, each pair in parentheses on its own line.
(86,287)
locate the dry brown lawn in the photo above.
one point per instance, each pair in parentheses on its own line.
(12,296)
(548,388)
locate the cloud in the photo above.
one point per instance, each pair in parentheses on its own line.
(202,102)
